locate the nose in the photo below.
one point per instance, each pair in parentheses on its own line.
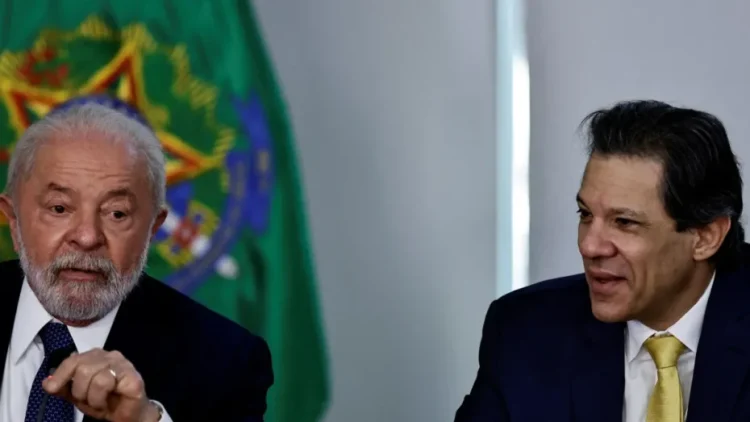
(594,241)
(86,233)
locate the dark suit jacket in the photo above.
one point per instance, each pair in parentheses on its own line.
(199,365)
(544,357)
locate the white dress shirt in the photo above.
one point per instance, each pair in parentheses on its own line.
(26,353)
(640,370)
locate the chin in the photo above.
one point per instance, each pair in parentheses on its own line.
(609,312)
(78,294)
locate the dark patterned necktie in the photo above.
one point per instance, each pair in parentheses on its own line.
(55,336)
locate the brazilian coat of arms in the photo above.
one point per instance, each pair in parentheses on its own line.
(218,148)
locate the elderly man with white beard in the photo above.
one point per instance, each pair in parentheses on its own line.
(89,336)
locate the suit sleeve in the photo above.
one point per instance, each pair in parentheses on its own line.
(246,397)
(485,402)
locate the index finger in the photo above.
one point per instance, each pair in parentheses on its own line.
(62,375)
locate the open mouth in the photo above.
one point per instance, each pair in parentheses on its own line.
(605,284)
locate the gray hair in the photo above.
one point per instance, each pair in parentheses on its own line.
(78,120)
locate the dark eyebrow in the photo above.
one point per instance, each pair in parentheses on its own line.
(618,211)
(627,212)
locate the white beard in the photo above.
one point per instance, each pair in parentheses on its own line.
(79,301)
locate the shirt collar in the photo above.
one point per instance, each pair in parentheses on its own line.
(687,329)
(31,317)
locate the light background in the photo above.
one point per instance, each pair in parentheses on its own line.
(402,142)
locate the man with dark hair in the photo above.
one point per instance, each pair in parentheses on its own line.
(665,274)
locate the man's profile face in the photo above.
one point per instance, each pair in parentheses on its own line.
(634,259)
(81,222)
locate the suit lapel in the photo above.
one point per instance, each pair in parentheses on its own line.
(598,377)
(10,290)
(723,358)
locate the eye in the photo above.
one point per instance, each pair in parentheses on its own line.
(583,214)
(118,215)
(625,222)
(57,209)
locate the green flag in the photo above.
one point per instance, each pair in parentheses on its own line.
(198,72)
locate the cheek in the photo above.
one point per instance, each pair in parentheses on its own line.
(41,242)
(639,259)
(125,249)
(654,264)
(672,262)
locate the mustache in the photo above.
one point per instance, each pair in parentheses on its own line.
(82,262)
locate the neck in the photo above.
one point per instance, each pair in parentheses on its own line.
(680,302)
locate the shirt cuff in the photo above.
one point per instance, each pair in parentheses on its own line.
(164,415)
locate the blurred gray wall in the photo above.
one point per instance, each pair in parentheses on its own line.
(392,102)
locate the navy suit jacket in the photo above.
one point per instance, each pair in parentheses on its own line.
(544,357)
(198,364)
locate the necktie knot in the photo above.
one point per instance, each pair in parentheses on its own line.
(55,336)
(664,350)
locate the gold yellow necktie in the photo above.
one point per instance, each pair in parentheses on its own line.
(665,404)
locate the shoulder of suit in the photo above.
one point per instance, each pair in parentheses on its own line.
(11,278)
(572,285)
(175,310)
(558,299)
(11,269)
